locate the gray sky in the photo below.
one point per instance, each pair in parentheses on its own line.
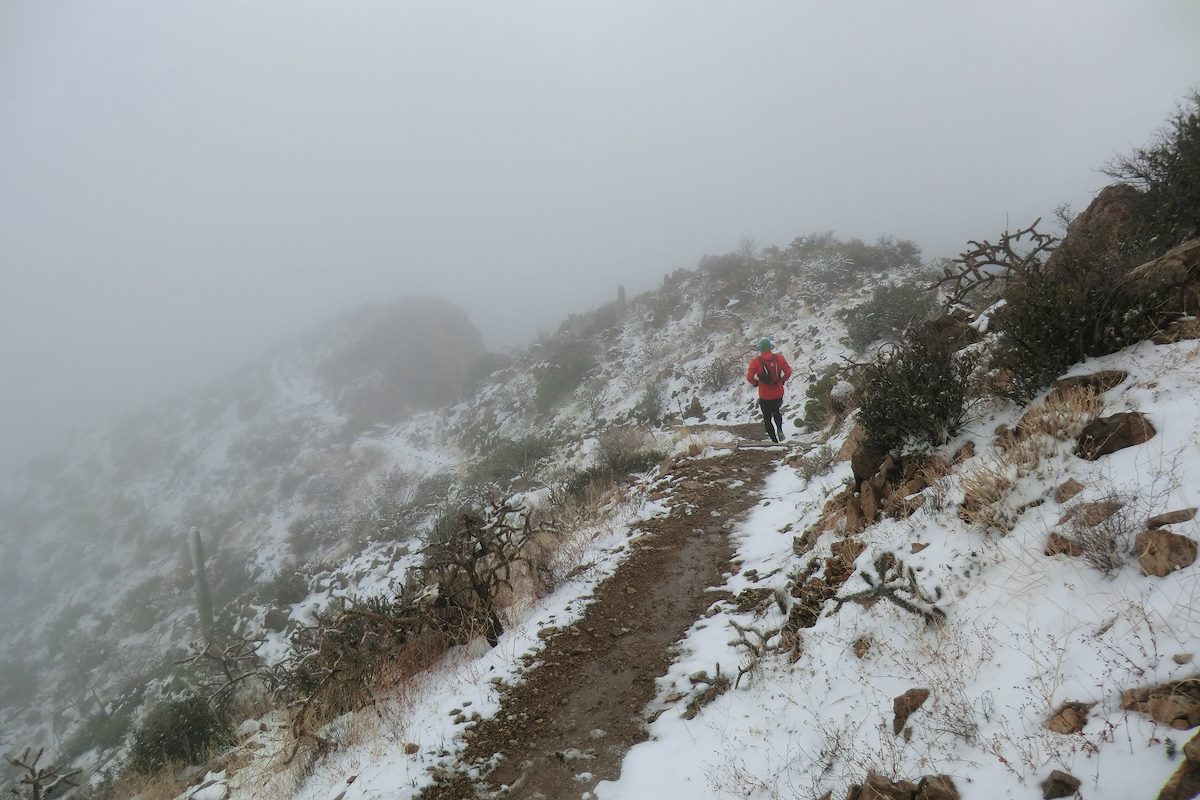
(184,184)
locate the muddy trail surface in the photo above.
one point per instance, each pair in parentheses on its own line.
(579,708)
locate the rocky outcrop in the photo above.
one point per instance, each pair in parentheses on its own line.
(1160,552)
(1110,218)
(1110,434)
(1169,283)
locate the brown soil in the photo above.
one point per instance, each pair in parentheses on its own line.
(580,707)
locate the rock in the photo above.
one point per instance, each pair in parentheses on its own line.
(1061,545)
(1110,218)
(936,787)
(1178,331)
(694,410)
(1170,282)
(862,646)
(1185,783)
(1059,784)
(1171,518)
(917,547)
(853,440)
(866,461)
(412,748)
(952,329)
(276,619)
(1066,490)
(1182,658)
(1160,552)
(1089,515)
(868,501)
(905,705)
(1098,382)
(877,787)
(1176,704)
(1110,434)
(1070,718)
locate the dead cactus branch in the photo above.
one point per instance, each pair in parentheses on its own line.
(40,783)
(1013,257)
(896,582)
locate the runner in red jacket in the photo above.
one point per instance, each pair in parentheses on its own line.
(769,372)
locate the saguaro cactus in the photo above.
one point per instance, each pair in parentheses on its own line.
(204,603)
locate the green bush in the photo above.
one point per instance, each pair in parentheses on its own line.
(567,363)
(1055,318)
(887,313)
(182,730)
(818,404)
(510,461)
(917,392)
(1168,171)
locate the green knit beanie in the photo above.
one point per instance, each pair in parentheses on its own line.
(765,345)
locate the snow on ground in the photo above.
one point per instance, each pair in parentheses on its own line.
(1024,633)
(429,713)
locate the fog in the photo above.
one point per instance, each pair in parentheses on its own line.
(185,184)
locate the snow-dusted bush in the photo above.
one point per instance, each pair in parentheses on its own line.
(887,313)
(917,392)
(178,731)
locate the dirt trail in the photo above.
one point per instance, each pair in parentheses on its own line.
(580,708)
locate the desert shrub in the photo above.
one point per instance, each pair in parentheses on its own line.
(649,409)
(916,392)
(1168,171)
(509,461)
(180,730)
(309,533)
(145,605)
(1055,318)
(616,446)
(720,371)
(567,362)
(816,462)
(483,369)
(887,313)
(1108,545)
(19,681)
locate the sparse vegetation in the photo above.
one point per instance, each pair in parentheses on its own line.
(890,309)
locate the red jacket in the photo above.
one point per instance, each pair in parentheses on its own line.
(769,391)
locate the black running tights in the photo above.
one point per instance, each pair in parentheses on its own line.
(771,412)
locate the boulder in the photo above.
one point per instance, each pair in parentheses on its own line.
(1160,552)
(1108,219)
(866,461)
(1066,490)
(1059,784)
(1171,518)
(1089,515)
(905,705)
(276,619)
(1170,283)
(1070,718)
(1109,434)
(1098,382)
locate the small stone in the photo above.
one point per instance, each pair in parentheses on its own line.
(1067,489)
(905,705)
(412,748)
(1070,718)
(597,733)
(1059,784)
(917,547)
(1182,658)
(1061,545)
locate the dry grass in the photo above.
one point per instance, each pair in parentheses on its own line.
(984,491)
(618,446)
(1062,415)
(816,462)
